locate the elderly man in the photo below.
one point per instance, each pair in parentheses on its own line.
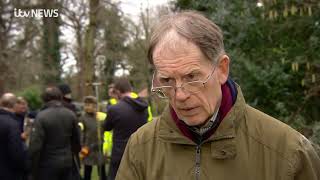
(208,131)
(13,153)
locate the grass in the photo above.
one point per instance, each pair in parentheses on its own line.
(94,174)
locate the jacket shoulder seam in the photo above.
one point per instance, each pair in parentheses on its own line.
(266,145)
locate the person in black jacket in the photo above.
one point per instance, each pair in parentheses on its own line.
(54,136)
(13,154)
(67,102)
(124,118)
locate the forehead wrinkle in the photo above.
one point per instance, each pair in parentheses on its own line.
(176,62)
(172,72)
(176,58)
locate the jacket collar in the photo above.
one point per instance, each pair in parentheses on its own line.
(53,103)
(223,143)
(230,124)
(4,111)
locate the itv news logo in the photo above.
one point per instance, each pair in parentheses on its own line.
(38,13)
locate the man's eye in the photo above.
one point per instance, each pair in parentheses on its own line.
(192,77)
(165,80)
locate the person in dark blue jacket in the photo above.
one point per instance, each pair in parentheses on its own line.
(13,153)
(124,118)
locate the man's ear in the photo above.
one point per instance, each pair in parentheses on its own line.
(223,69)
(118,93)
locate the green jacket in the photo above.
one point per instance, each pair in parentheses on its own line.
(91,140)
(248,145)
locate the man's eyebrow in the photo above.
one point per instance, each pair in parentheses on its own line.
(192,71)
(161,75)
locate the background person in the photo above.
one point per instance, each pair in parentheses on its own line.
(92,139)
(54,133)
(124,118)
(13,154)
(20,110)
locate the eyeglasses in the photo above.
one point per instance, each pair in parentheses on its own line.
(191,87)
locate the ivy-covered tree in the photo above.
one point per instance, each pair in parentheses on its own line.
(51,45)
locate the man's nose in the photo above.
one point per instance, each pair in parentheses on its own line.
(181,94)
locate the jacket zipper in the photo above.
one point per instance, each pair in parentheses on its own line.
(198,159)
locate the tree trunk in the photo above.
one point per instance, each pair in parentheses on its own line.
(51,46)
(88,65)
(80,62)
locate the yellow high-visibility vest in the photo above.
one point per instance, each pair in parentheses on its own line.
(150,117)
(107,135)
(113,101)
(134,95)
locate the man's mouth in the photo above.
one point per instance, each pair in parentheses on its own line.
(188,111)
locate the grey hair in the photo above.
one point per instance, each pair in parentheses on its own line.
(192,26)
(8,100)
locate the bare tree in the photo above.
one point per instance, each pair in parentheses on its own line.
(138,46)
(76,17)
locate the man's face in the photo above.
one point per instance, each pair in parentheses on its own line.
(90,108)
(184,62)
(20,108)
(113,93)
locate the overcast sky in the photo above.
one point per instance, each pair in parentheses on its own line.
(133,7)
(130,8)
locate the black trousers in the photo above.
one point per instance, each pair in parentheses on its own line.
(76,168)
(88,171)
(55,173)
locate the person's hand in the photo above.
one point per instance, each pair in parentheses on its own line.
(84,152)
(24,136)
